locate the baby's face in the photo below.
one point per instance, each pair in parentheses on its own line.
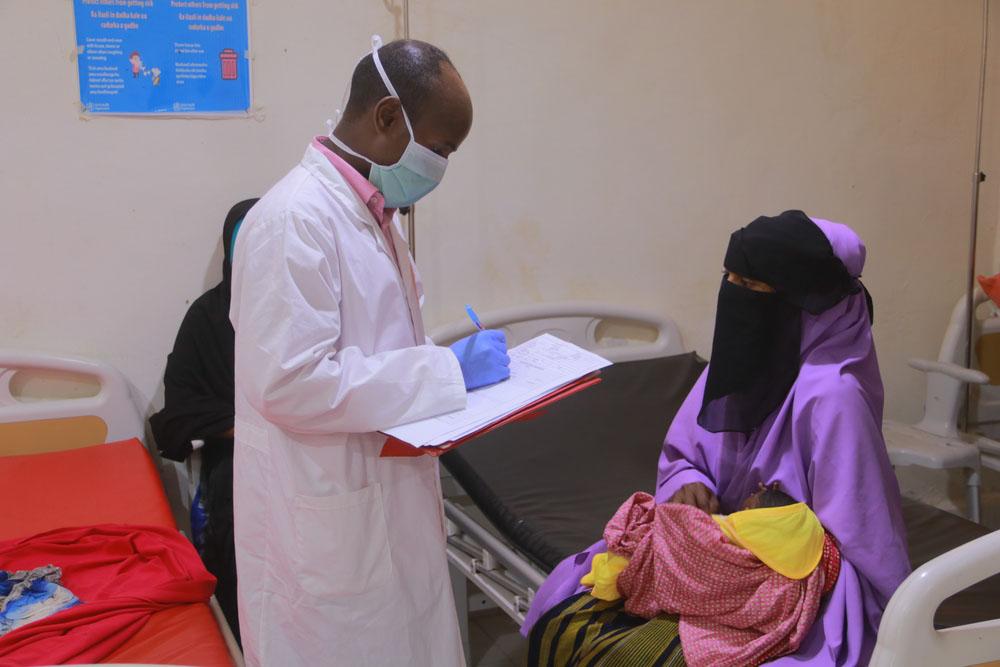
(767,496)
(753,500)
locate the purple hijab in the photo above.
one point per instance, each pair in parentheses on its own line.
(824,446)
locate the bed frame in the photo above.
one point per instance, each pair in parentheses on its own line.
(84,419)
(907,635)
(36,426)
(478,553)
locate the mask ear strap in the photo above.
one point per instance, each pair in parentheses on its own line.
(339,112)
(376,45)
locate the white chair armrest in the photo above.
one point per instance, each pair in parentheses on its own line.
(907,635)
(955,371)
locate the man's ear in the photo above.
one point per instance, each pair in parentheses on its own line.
(388,113)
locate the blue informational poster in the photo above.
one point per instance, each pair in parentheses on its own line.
(163,56)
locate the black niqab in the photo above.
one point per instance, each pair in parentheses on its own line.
(198,382)
(756,347)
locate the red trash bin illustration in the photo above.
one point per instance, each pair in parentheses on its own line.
(228,58)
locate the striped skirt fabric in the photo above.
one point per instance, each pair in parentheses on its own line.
(583,631)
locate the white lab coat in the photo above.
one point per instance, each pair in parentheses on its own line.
(340,553)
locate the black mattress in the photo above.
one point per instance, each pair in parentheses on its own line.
(552,483)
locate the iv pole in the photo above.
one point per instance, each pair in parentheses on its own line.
(977,178)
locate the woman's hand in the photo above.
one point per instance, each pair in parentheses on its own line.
(697,495)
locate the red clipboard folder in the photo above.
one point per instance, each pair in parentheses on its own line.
(396,447)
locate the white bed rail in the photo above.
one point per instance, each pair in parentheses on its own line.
(505,576)
(580,323)
(112,404)
(907,635)
(618,333)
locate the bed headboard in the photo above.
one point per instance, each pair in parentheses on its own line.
(618,333)
(41,424)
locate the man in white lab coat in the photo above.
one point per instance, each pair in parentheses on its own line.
(341,553)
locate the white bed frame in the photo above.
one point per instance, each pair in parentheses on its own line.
(580,323)
(112,404)
(907,635)
(477,553)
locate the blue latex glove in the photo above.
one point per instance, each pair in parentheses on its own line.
(483,358)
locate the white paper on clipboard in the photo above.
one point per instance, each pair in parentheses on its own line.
(538,367)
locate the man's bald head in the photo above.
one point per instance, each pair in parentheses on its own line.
(415,69)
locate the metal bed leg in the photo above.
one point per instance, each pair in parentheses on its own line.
(227,634)
(972,494)
(460,591)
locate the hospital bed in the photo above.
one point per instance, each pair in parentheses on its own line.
(521,498)
(78,460)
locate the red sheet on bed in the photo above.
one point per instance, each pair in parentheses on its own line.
(123,574)
(115,483)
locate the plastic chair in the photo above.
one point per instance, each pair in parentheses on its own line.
(935,441)
(987,402)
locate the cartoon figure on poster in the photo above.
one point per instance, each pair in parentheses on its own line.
(137,66)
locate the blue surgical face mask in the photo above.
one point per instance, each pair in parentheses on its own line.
(418,170)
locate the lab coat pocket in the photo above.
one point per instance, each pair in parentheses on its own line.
(342,543)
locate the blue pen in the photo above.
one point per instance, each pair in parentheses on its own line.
(474,317)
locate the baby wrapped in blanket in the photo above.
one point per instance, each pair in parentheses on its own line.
(746,587)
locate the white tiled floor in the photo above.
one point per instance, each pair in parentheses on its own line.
(495,641)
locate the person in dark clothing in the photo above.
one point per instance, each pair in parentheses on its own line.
(199,394)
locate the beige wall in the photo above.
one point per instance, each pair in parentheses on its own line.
(111,226)
(615,146)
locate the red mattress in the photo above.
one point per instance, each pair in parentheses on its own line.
(115,483)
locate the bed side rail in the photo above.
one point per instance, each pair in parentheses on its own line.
(907,635)
(112,404)
(502,574)
(618,333)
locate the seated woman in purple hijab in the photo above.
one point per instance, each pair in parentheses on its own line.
(792,395)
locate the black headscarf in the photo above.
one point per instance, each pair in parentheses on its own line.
(198,382)
(756,348)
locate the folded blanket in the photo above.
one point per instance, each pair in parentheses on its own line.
(734,609)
